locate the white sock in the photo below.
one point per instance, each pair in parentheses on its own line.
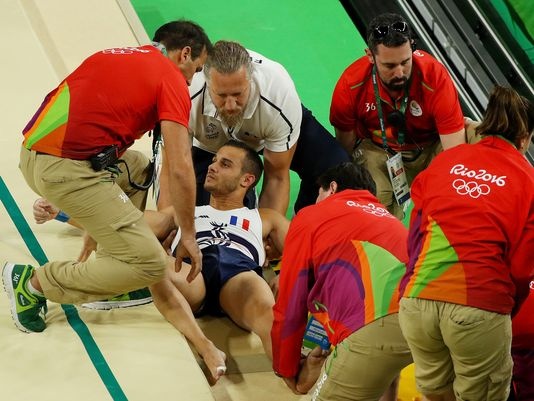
(33,290)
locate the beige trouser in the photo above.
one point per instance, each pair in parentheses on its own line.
(458,347)
(374,158)
(129,256)
(364,364)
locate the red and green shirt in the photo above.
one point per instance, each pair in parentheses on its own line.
(472,228)
(343,260)
(112,98)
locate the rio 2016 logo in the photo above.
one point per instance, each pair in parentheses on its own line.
(372,209)
(472,184)
(480,174)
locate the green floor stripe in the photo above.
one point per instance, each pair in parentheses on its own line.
(20,223)
(99,362)
(81,329)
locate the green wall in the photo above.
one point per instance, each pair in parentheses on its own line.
(314,40)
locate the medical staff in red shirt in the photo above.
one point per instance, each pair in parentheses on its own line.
(470,249)
(69,156)
(343,260)
(393,101)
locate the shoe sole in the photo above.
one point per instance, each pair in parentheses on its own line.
(10,291)
(108,305)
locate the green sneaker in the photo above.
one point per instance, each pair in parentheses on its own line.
(28,310)
(132,298)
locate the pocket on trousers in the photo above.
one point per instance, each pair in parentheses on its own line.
(56,179)
(358,348)
(499,381)
(466,316)
(127,220)
(57,170)
(131,243)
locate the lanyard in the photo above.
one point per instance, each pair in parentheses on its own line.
(402,109)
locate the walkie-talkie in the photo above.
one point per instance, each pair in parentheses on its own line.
(108,157)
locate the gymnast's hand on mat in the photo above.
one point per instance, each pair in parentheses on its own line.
(89,245)
(44,211)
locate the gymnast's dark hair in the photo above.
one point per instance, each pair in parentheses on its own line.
(252,163)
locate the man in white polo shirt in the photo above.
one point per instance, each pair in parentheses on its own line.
(244,96)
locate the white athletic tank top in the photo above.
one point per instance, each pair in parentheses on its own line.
(240,229)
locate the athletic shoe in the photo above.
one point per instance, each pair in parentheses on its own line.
(28,310)
(132,298)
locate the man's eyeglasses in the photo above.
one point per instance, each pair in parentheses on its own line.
(383,30)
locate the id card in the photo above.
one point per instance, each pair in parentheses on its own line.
(398,179)
(314,336)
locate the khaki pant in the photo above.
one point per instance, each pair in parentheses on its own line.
(129,256)
(364,364)
(459,347)
(373,157)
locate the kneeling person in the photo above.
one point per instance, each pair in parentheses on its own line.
(343,260)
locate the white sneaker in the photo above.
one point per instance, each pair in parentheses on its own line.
(132,298)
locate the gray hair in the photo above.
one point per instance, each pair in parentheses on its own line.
(228,57)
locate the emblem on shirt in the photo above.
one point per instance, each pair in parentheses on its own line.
(216,236)
(471,185)
(211,131)
(471,188)
(415,109)
(371,209)
(240,222)
(478,174)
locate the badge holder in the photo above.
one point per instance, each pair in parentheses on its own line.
(398,179)
(394,164)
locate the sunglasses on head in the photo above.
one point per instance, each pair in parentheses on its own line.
(382,30)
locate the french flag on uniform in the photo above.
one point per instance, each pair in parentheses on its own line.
(239,222)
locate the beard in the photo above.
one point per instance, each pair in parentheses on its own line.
(231,120)
(221,188)
(396,84)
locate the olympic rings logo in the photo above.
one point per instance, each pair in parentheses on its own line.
(471,188)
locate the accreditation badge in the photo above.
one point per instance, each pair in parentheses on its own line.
(397,176)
